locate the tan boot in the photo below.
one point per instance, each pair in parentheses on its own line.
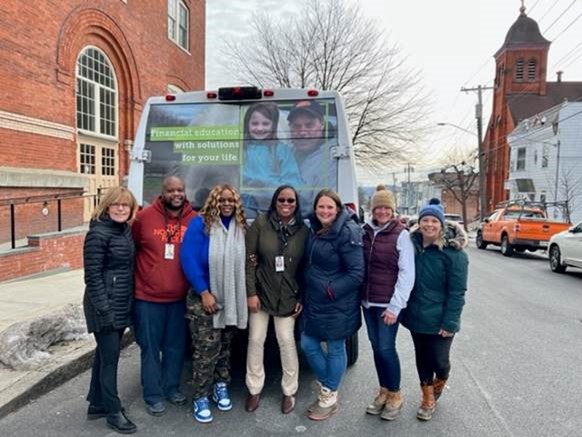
(326,406)
(393,406)
(439,386)
(316,401)
(428,405)
(378,403)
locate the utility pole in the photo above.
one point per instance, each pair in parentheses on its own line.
(480,146)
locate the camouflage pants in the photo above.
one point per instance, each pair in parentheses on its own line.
(210,349)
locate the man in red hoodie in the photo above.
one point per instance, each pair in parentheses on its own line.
(160,293)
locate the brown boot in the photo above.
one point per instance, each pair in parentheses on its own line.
(252,402)
(439,386)
(326,405)
(378,403)
(316,401)
(428,405)
(393,406)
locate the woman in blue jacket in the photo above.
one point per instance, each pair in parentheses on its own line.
(334,271)
(433,315)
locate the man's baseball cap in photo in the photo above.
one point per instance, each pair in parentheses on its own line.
(310,107)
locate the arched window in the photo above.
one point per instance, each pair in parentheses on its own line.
(97,105)
(531,69)
(519,66)
(174,89)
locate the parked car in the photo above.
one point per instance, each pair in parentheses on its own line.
(566,249)
(456,218)
(517,226)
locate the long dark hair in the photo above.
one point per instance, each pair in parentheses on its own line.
(273,206)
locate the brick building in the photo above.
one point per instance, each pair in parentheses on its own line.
(521,91)
(74,76)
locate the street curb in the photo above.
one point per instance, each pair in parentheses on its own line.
(56,378)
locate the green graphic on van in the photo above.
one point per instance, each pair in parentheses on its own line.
(196,133)
(209,152)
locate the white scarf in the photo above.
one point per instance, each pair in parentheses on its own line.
(226,259)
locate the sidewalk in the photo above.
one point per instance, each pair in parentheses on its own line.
(31,299)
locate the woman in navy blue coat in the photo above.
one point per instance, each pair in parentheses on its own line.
(334,271)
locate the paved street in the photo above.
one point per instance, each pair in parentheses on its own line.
(516,372)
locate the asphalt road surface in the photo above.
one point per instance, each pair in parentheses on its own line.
(517,371)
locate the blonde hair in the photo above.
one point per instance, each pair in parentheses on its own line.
(114,195)
(211,211)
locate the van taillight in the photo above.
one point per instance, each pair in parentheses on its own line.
(211,95)
(312,93)
(268,93)
(170,97)
(239,93)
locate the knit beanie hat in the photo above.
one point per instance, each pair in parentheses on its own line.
(382,197)
(434,209)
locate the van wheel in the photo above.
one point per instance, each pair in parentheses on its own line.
(506,248)
(352,349)
(479,241)
(556,260)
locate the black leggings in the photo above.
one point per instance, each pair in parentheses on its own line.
(432,356)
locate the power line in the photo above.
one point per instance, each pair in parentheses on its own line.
(560,16)
(567,27)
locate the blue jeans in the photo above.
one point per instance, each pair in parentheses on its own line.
(383,340)
(329,368)
(160,327)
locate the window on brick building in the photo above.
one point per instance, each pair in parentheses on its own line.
(179,23)
(96,94)
(519,67)
(107,161)
(86,158)
(531,69)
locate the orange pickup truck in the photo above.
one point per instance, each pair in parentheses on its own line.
(517,227)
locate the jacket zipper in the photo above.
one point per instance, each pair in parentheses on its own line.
(369,261)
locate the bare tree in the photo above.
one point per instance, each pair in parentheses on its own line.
(331,45)
(459,177)
(569,190)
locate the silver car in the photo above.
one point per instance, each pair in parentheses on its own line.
(566,249)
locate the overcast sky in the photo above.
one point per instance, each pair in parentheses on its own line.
(452,42)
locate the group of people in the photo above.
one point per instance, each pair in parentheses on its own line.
(167,268)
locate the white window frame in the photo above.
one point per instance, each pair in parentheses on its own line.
(175,24)
(174,89)
(520,160)
(96,103)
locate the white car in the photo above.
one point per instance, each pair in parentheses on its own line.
(566,249)
(454,218)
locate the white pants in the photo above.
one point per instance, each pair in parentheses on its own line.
(284,327)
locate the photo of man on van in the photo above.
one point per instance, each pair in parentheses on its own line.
(307,127)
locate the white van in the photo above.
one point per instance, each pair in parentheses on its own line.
(201,136)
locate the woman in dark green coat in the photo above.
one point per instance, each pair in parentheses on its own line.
(433,315)
(274,247)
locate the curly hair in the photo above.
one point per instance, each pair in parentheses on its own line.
(211,211)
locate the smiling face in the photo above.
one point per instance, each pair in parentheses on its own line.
(173,194)
(286,204)
(120,210)
(382,215)
(306,132)
(430,228)
(260,127)
(226,203)
(326,211)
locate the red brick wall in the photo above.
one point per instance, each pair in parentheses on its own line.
(28,217)
(44,254)
(452,206)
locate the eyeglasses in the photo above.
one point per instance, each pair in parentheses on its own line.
(288,200)
(222,200)
(121,205)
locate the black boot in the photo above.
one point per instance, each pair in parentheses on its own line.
(95,412)
(120,423)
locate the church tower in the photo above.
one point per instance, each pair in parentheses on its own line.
(521,67)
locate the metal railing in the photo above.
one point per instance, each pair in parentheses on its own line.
(46,200)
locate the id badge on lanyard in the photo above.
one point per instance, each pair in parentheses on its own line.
(280,263)
(169,251)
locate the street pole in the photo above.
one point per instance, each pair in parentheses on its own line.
(480,147)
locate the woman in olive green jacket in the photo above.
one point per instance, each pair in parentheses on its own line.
(433,314)
(274,247)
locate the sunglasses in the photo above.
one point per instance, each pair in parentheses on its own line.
(288,200)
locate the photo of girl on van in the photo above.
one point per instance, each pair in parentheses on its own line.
(268,163)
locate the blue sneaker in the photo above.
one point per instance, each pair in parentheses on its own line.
(222,397)
(202,411)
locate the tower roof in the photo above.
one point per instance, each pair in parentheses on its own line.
(525,31)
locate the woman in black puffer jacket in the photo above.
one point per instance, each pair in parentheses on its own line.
(108,256)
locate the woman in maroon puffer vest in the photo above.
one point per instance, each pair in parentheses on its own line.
(389,259)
